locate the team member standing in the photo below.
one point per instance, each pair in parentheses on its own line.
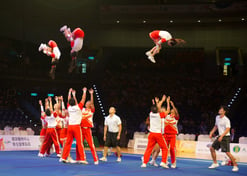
(170,132)
(44,124)
(51,134)
(223,124)
(76,41)
(53,51)
(74,129)
(155,136)
(112,132)
(160,37)
(87,124)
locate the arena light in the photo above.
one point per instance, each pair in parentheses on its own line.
(50,95)
(118,21)
(242,19)
(198,21)
(171,21)
(34,94)
(144,21)
(90,57)
(220,20)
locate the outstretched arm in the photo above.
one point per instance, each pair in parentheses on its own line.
(168,108)
(175,109)
(83,98)
(69,94)
(91,98)
(63,107)
(41,108)
(50,104)
(159,103)
(74,96)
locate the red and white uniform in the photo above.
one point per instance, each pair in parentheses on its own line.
(86,125)
(65,122)
(170,135)
(58,126)
(160,37)
(44,127)
(74,131)
(77,40)
(51,135)
(55,50)
(155,136)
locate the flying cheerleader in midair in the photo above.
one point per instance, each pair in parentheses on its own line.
(76,41)
(160,37)
(51,50)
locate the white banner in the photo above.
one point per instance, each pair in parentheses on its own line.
(11,142)
(235,149)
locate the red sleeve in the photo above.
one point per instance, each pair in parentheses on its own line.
(80,105)
(52,55)
(162,114)
(163,40)
(177,118)
(72,43)
(67,105)
(55,114)
(93,110)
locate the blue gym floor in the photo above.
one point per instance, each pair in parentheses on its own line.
(27,163)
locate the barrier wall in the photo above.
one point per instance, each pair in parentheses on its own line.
(195,147)
(11,142)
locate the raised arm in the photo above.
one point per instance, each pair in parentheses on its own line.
(83,98)
(91,98)
(168,108)
(41,108)
(74,96)
(47,105)
(159,103)
(69,94)
(63,107)
(50,104)
(175,109)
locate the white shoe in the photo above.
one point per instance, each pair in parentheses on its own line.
(103,159)
(41,155)
(61,160)
(82,162)
(153,163)
(63,28)
(96,163)
(143,165)
(164,165)
(214,165)
(173,166)
(41,47)
(142,158)
(59,155)
(119,159)
(148,53)
(70,160)
(151,58)
(235,169)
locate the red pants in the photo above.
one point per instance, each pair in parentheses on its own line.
(74,131)
(51,136)
(43,132)
(154,138)
(87,134)
(59,130)
(63,134)
(171,141)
